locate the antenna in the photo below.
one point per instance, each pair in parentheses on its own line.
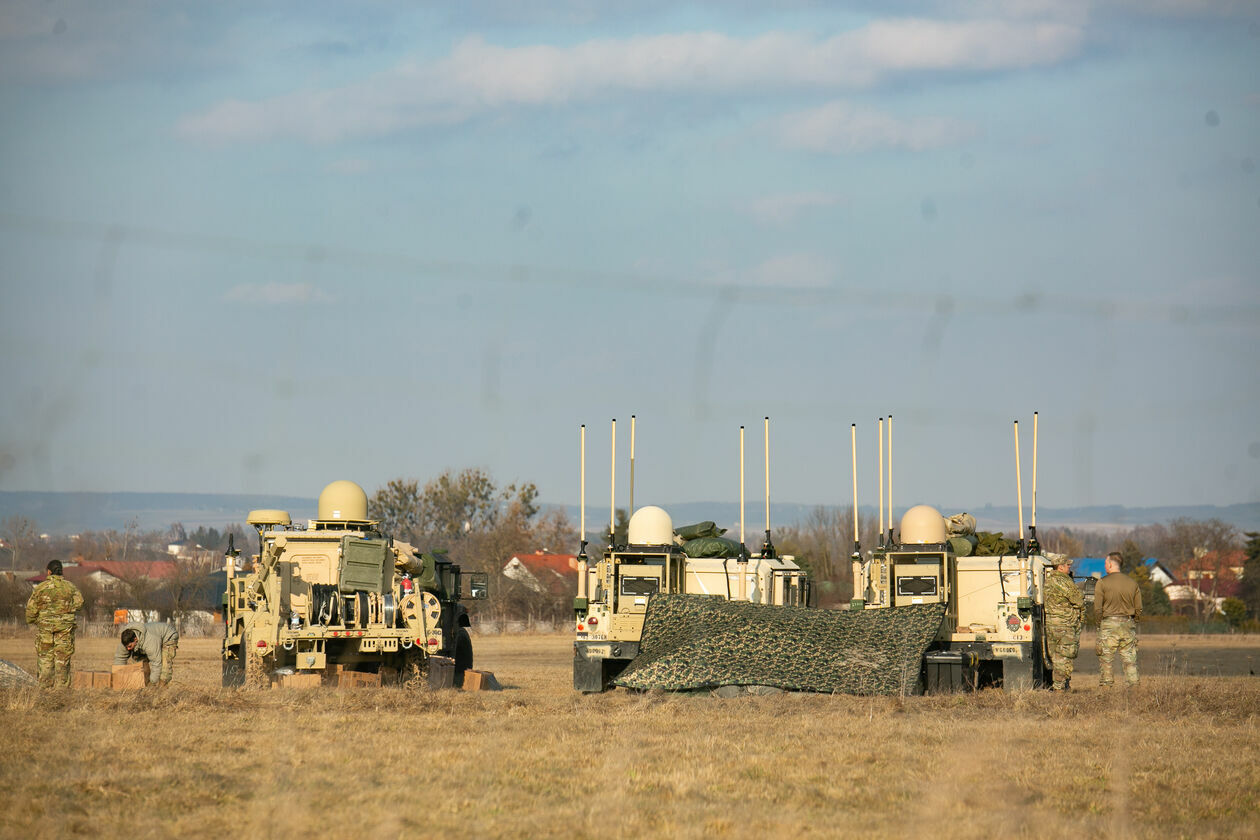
(612,490)
(581,558)
(741,485)
(741,562)
(890,509)
(632,465)
(1033,545)
(582,485)
(881,481)
(857,543)
(767,550)
(1019,492)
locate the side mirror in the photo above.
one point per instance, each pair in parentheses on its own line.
(478,586)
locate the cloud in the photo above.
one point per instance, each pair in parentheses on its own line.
(277,293)
(839,128)
(798,271)
(478,77)
(783,209)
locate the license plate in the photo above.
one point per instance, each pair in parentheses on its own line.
(1009,651)
(598,651)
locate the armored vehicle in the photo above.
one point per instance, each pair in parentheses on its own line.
(613,593)
(340,595)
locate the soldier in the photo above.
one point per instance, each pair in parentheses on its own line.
(156,642)
(1065,612)
(51,609)
(1117,606)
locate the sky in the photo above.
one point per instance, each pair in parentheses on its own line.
(257,247)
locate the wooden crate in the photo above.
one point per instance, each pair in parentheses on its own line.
(358,679)
(480,681)
(93,679)
(127,677)
(308,680)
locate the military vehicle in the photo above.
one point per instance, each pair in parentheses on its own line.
(613,593)
(339,594)
(993,630)
(992,633)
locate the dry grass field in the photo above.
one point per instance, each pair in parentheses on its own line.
(1177,757)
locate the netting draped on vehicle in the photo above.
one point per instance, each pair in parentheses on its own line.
(698,642)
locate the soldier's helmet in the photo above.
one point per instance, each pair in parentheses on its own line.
(1057,559)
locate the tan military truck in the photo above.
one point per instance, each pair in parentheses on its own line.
(613,593)
(339,594)
(992,633)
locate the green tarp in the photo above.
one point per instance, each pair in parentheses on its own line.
(702,642)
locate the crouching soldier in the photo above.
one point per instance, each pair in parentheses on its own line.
(155,642)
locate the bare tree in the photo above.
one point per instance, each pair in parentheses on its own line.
(19,533)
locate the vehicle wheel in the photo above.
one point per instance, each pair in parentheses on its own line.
(463,656)
(233,673)
(415,669)
(255,671)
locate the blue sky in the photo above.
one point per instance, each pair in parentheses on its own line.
(258,247)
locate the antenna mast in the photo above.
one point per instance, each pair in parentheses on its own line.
(767,550)
(581,558)
(632,465)
(612,490)
(881,482)
(890,508)
(1033,545)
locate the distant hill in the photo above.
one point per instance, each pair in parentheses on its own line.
(71,513)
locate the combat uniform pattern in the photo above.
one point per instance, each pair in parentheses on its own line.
(702,642)
(1065,612)
(51,609)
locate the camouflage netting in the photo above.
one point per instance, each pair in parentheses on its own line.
(702,642)
(12,676)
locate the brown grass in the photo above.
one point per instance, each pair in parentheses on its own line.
(1175,757)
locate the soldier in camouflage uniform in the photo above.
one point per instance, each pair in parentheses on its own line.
(52,609)
(1118,606)
(1065,612)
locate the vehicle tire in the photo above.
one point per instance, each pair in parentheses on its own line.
(255,671)
(233,673)
(415,669)
(463,656)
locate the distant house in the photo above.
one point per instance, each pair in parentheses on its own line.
(554,574)
(1091,566)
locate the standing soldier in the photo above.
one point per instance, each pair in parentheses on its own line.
(155,642)
(1117,606)
(1065,612)
(51,609)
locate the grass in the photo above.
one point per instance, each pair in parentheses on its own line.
(1175,757)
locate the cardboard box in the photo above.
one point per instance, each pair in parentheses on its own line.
(126,677)
(312,679)
(441,672)
(480,681)
(93,679)
(358,679)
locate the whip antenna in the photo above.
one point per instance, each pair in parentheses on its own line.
(581,558)
(632,465)
(1019,490)
(881,481)
(890,509)
(1032,527)
(767,550)
(612,490)
(741,562)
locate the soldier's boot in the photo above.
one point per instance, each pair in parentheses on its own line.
(1130,675)
(1067,684)
(1105,678)
(1059,686)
